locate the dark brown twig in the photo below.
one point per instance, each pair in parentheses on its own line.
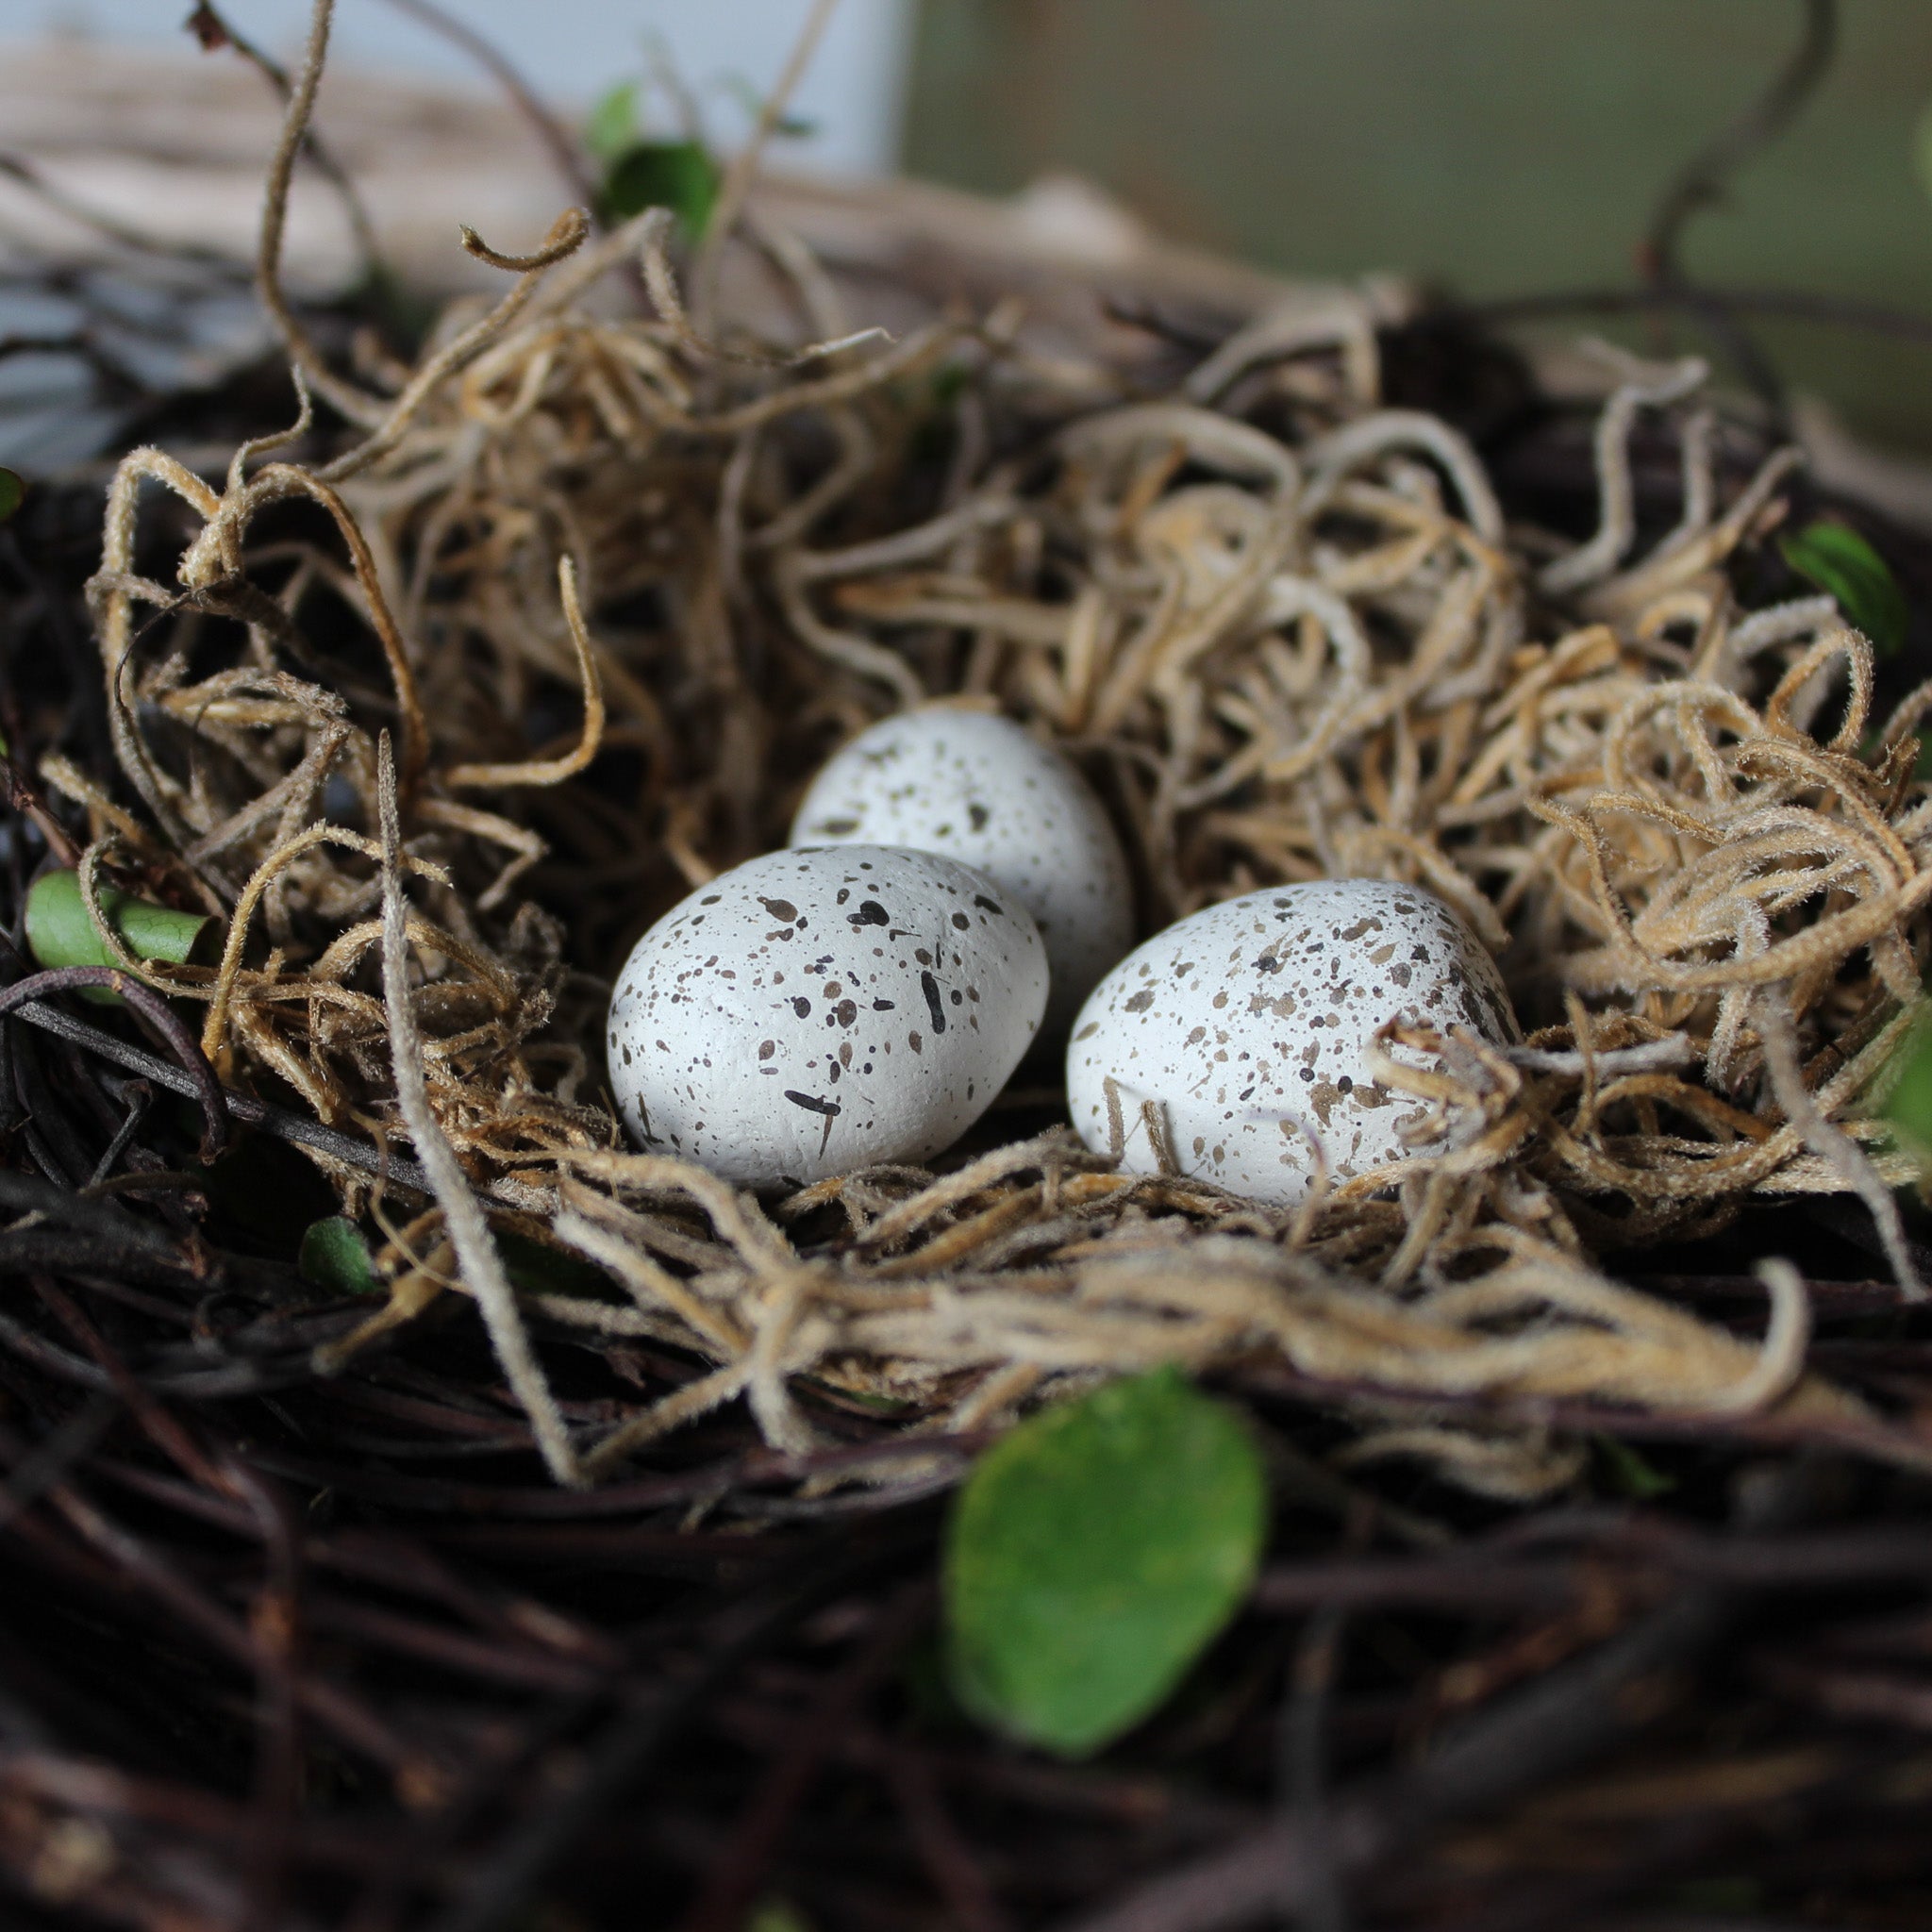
(1701,182)
(1322,1905)
(737,1875)
(1702,179)
(1780,304)
(154,1010)
(299,1130)
(618,1757)
(958,1876)
(1541,1731)
(20,797)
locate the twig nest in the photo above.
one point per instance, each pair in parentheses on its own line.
(976,786)
(818,1010)
(1235,1044)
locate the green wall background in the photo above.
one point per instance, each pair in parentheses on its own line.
(1502,147)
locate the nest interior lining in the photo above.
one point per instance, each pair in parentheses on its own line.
(436,723)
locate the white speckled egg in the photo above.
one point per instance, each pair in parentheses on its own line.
(817,1010)
(978,789)
(1251,1021)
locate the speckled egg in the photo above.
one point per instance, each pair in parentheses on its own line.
(817,1010)
(977,788)
(1249,1025)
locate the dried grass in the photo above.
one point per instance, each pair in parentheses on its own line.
(1283,657)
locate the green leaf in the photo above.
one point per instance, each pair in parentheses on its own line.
(677,174)
(334,1256)
(11,492)
(1094,1555)
(59,933)
(777,1915)
(1839,560)
(613,123)
(1631,1475)
(1910,1109)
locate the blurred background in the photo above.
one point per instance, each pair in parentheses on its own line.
(1501,147)
(572,51)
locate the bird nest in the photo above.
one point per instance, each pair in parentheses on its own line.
(436,715)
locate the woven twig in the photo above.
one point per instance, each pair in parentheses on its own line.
(1305,649)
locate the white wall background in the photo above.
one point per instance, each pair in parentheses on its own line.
(573,50)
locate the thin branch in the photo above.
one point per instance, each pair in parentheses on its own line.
(1701,181)
(296,1128)
(156,1013)
(744,164)
(215,31)
(361,407)
(563,151)
(1778,305)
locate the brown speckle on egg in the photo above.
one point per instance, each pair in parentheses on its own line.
(1297,1016)
(744,1078)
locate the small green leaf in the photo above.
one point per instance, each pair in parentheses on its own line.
(1910,1109)
(1839,560)
(59,933)
(677,174)
(1094,1554)
(613,123)
(11,492)
(334,1256)
(1631,1475)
